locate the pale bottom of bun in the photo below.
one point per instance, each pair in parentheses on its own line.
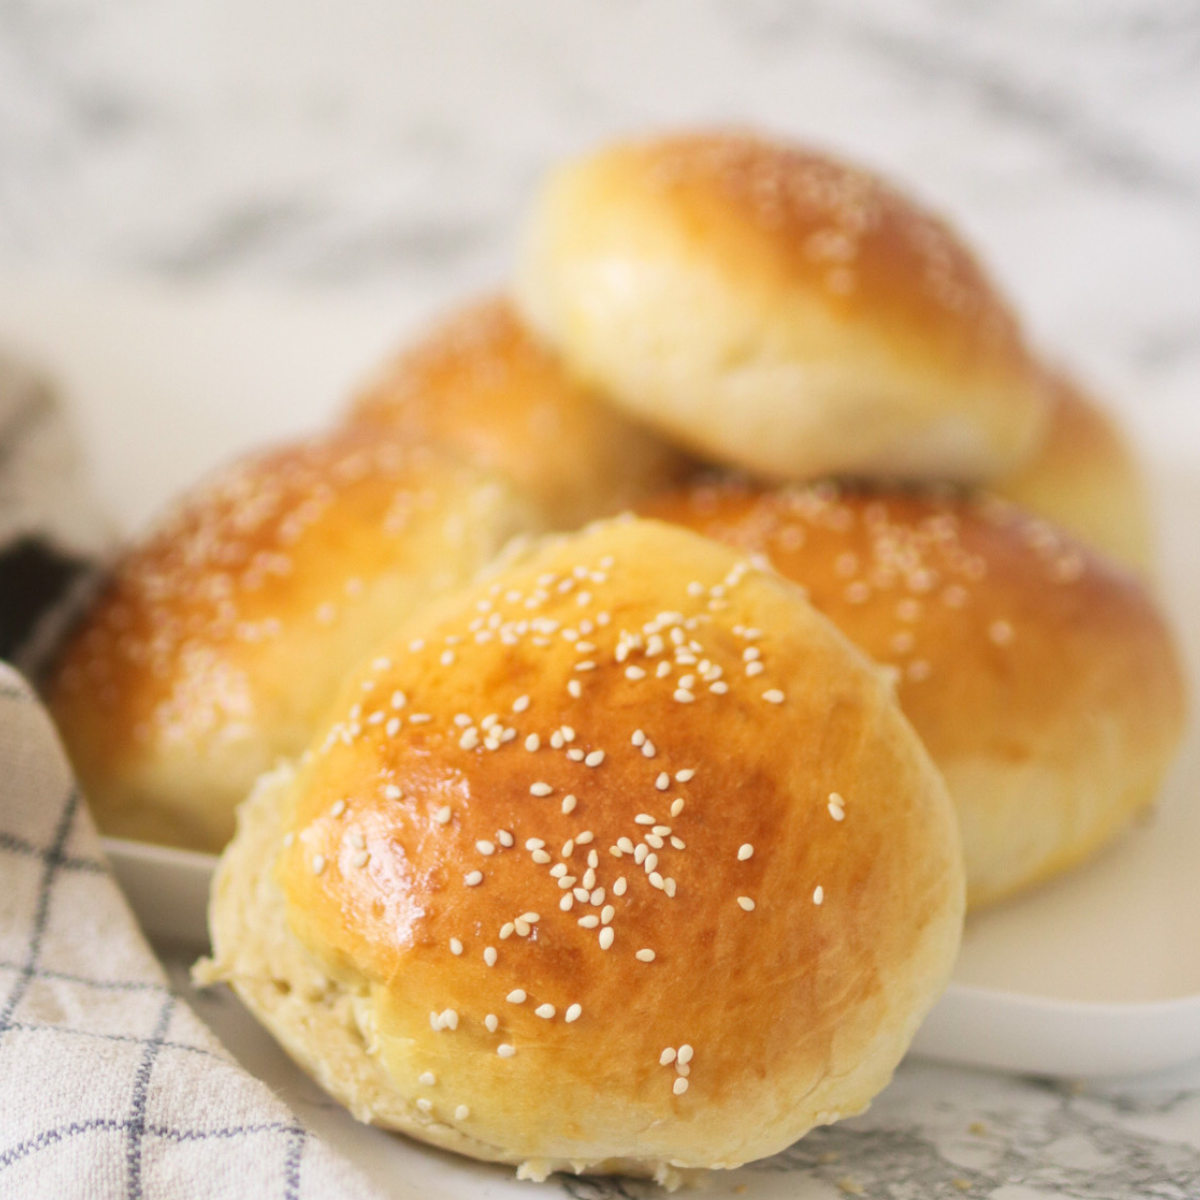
(325,1025)
(1023,824)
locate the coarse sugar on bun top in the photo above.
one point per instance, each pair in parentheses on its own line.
(624,861)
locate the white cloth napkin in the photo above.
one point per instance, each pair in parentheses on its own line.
(110,1086)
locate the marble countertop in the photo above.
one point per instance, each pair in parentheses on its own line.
(380,155)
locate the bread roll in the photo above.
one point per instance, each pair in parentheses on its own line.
(563,885)
(1040,676)
(479,385)
(225,633)
(776,309)
(1086,479)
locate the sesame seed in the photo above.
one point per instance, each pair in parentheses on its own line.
(774,696)
(506,930)
(635,673)
(685,775)
(485,847)
(575,688)
(684,696)
(580,893)
(648,749)
(819,895)
(423,1105)
(591,921)
(573,1013)
(651,861)
(473,878)
(556,740)
(532,742)
(419,719)
(392,792)
(489,955)
(558,870)
(679,1086)
(427,1078)
(657,881)
(399,699)
(606,937)
(456,947)
(567,902)
(662,670)
(754,668)
(594,759)
(339,807)
(545,1011)
(644,956)
(504,837)
(1000,632)
(506,1050)
(568,848)
(663,781)
(639,855)
(625,844)
(676,806)
(669,887)
(685,1054)
(360,858)
(661,831)
(678,843)
(520,704)
(582,839)
(470,739)
(638,738)
(745,851)
(540,789)
(534,843)
(491,1022)
(719,688)
(516,996)
(619,887)
(667,1057)
(462,1112)
(442,816)
(449,1019)
(745,903)
(836,807)
(318,863)
(522,927)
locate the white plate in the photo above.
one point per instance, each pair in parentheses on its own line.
(1095,974)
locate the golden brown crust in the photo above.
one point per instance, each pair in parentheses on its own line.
(1041,678)
(479,385)
(1086,479)
(797,1008)
(779,309)
(222,636)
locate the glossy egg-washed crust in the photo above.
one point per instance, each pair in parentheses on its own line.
(480,385)
(1085,477)
(1041,677)
(223,635)
(770,305)
(803,912)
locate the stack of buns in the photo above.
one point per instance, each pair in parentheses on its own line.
(642,844)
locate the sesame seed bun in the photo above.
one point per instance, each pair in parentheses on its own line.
(1086,479)
(481,387)
(780,310)
(1041,676)
(225,633)
(457,926)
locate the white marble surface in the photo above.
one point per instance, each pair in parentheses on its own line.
(364,163)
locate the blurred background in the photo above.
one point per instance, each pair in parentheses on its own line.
(271,194)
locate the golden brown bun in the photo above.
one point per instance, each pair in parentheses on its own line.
(775,308)
(480,386)
(1041,677)
(225,634)
(1086,479)
(348,916)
